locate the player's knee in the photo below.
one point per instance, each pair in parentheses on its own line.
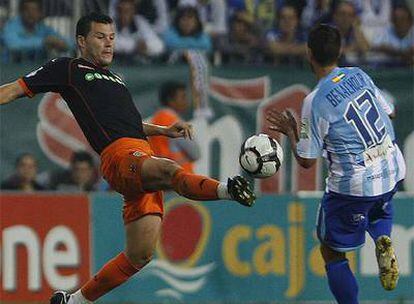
(140,258)
(167,169)
(330,255)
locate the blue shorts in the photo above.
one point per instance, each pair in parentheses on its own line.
(343,219)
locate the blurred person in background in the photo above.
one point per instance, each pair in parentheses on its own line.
(154,11)
(81,176)
(315,11)
(242,44)
(287,42)
(24,177)
(26,37)
(375,16)
(135,37)
(354,43)
(173,99)
(187,32)
(213,15)
(395,46)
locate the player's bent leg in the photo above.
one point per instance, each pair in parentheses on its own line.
(163,174)
(141,239)
(341,280)
(387,262)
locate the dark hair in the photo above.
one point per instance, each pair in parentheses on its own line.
(23,2)
(188,10)
(325,44)
(21,156)
(82,156)
(168,91)
(83,26)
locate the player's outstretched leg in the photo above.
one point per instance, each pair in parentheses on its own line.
(141,238)
(163,174)
(387,262)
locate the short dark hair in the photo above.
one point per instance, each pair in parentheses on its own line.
(325,44)
(23,2)
(83,26)
(168,90)
(82,156)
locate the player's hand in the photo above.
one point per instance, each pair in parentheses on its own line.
(180,129)
(283,122)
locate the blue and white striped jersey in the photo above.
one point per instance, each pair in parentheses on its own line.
(345,119)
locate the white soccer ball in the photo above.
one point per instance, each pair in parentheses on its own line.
(261,156)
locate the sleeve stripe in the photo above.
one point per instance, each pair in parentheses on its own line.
(27,91)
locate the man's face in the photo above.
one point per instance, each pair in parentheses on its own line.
(126,11)
(27,168)
(288,20)
(31,14)
(98,45)
(180,103)
(402,22)
(82,172)
(344,16)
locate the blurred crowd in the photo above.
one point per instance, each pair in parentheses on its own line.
(375,32)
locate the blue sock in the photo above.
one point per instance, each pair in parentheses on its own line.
(342,282)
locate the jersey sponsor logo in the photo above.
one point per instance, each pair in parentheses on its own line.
(93,76)
(379,152)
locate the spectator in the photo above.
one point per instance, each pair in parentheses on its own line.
(242,44)
(173,99)
(287,43)
(24,178)
(154,11)
(81,176)
(135,37)
(375,17)
(316,11)
(354,44)
(396,44)
(187,32)
(212,13)
(26,37)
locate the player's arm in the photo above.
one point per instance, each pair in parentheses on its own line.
(11,91)
(285,123)
(176,130)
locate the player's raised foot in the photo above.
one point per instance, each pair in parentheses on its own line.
(240,190)
(60,297)
(387,262)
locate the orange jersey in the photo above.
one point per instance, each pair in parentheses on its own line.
(161,145)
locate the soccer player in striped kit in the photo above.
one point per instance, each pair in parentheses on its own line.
(347,120)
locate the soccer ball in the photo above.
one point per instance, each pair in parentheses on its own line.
(261,156)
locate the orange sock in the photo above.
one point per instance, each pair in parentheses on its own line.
(111,275)
(196,187)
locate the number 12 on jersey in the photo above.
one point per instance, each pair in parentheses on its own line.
(363,114)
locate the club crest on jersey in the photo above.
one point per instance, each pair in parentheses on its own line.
(137,154)
(93,76)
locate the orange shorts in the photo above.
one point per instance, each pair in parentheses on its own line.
(121,163)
